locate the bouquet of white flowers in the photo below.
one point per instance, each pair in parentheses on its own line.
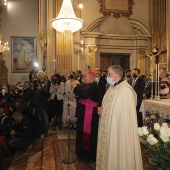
(158,145)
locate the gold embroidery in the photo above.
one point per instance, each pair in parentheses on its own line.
(108,99)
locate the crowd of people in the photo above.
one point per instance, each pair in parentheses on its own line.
(100,111)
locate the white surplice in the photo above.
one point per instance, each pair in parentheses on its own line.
(118,142)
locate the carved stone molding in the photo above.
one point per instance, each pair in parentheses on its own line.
(92,51)
(109,25)
(92,27)
(139,26)
(142,54)
(125,36)
(116,8)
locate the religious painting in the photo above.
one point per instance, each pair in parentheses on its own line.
(23,52)
(116,8)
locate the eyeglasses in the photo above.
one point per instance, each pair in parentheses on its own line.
(109,74)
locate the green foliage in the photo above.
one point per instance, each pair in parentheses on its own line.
(159,155)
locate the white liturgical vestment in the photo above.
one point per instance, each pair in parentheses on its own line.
(118,142)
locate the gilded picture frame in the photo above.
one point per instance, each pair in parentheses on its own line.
(116,8)
(23,54)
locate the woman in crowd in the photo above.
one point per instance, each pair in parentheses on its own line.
(57,96)
(70,102)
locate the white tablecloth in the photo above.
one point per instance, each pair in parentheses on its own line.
(162,107)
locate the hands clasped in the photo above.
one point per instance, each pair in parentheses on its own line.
(99,111)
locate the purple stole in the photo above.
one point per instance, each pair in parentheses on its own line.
(87,121)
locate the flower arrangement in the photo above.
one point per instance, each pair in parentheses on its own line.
(158,145)
(151,118)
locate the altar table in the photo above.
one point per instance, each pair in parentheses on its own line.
(162,107)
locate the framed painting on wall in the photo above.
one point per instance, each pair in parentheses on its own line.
(23,54)
(117,8)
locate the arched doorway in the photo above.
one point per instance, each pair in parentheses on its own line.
(109,59)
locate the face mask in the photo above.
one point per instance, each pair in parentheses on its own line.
(35,81)
(24,88)
(20,88)
(96,79)
(134,76)
(71,76)
(110,81)
(128,76)
(3,90)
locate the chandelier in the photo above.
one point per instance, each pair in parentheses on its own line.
(5,2)
(4,49)
(66,21)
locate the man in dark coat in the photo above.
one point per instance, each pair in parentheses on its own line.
(101,84)
(21,136)
(138,85)
(87,117)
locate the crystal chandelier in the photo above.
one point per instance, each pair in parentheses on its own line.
(5,2)
(4,49)
(66,21)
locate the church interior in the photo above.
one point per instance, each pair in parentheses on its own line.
(129,33)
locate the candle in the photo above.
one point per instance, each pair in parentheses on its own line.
(156,90)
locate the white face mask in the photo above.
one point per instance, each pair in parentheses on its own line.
(110,81)
(20,88)
(96,79)
(3,90)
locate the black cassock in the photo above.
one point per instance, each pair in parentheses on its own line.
(90,99)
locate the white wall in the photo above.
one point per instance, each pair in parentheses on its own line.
(19,19)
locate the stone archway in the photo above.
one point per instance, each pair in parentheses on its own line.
(110,35)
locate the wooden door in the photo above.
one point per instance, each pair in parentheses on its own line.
(124,62)
(106,60)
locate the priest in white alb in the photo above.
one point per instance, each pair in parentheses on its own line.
(118,143)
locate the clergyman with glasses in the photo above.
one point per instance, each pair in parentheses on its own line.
(118,143)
